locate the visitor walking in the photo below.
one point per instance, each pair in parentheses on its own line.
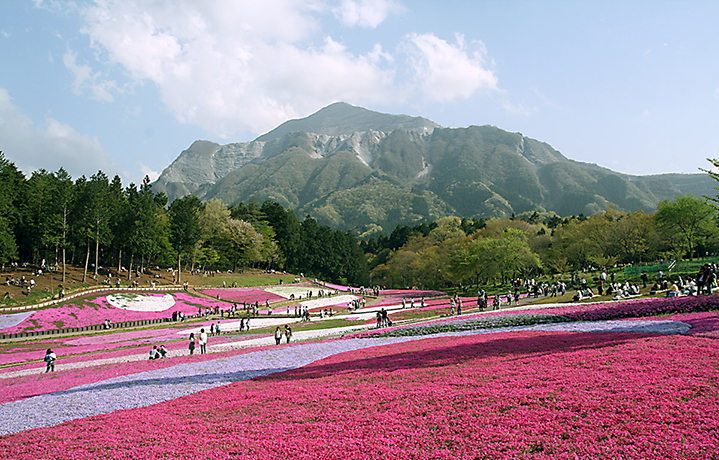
(50,358)
(278,335)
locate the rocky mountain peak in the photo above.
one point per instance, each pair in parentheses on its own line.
(342,119)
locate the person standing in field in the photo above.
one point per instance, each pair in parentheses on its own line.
(288,333)
(50,358)
(203,341)
(278,335)
(192,343)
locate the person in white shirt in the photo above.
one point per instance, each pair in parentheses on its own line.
(50,358)
(203,341)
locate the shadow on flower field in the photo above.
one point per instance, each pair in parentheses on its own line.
(145,379)
(506,347)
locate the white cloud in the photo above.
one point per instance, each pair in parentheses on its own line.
(517,109)
(86,79)
(448,71)
(229,66)
(50,146)
(147,171)
(366,13)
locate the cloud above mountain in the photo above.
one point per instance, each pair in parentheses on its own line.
(229,66)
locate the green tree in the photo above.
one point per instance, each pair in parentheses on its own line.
(92,209)
(685,222)
(185,229)
(286,227)
(61,201)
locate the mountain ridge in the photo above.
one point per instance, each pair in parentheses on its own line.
(367,171)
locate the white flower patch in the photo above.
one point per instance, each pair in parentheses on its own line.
(286,291)
(14,319)
(138,302)
(341,301)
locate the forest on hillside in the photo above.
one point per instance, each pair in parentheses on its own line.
(96,221)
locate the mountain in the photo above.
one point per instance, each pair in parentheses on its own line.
(341,118)
(354,168)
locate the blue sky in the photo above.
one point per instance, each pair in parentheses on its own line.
(125,86)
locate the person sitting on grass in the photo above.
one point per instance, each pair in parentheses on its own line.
(154,354)
(673,290)
(163,351)
(657,287)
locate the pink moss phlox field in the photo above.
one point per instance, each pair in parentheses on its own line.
(239,295)
(636,308)
(95,351)
(83,312)
(627,309)
(501,396)
(18,388)
(704,324)
(337,287)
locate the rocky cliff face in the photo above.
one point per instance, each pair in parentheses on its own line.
(335,128)
(357,169)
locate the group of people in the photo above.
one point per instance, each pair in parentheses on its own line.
(158,352)
(373,291)
(244,324)
(411,302)
(703,283)
(215,329)
(302,311)
(279,333)
(202,342)
(383,319)
(455,305)
(356,304)
(21,282)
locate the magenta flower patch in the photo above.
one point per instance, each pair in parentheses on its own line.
(498,396)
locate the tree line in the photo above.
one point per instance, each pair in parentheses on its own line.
(452,250)
(93,222)
(96,221)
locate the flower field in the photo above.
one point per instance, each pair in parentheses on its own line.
(93,310)
(239,295)
(629,380)
(507,395)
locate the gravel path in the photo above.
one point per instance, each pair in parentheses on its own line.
(151,387)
